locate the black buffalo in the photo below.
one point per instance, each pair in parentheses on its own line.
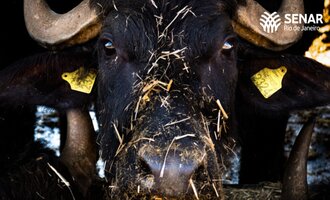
(173,87)
(25,161)
(22,160)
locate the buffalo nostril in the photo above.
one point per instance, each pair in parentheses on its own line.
(144,167)
(147,179)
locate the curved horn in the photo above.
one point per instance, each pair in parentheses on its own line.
(51,29)
(295,175)
(79,153)
(247,24)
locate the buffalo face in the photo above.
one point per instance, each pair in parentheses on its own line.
(161,74)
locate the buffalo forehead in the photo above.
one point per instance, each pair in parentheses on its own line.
(139,31)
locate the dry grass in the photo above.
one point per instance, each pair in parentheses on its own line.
(191,182)
(117,133)
(176,122)
(264,191)
(168,149)
(224,113)
(66,183)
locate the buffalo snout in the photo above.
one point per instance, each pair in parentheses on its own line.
(169,153)
(169,168)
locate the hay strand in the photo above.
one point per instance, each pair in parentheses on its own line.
(191,182)
(66,183)
(222,110)
(161,175)
(117,133)
(176,122)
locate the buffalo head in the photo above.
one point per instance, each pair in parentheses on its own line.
(160,111)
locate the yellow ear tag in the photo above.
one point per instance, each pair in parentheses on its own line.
(79,81)
(268,81)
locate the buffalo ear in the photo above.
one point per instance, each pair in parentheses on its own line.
(305,84)
(39,80)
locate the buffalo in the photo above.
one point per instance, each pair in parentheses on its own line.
(178,84)
(20,155)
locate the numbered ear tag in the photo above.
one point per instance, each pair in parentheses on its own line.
(268,81)
(79,81)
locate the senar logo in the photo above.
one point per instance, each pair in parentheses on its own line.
(270,22)
(303,18)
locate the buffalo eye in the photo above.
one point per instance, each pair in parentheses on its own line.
(108,44)
(228,45)
(109,48)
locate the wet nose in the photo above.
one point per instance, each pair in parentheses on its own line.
(172,171)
